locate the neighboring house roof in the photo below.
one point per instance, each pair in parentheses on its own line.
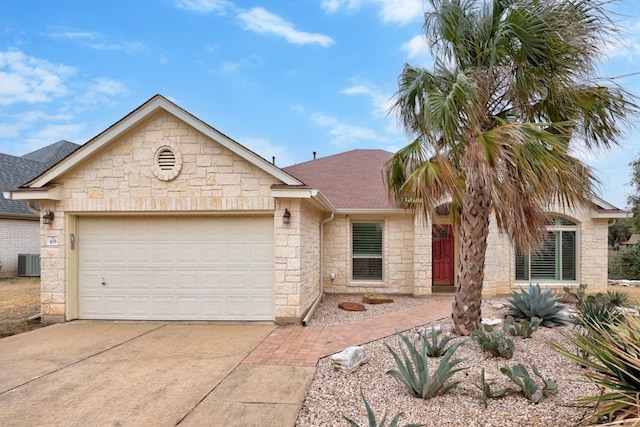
(353,180)
(16,171)
(633,240)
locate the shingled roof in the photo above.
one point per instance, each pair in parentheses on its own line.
(351,180)
(16,171)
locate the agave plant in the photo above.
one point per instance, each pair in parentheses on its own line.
(371,417)
(614,365)
(413,369)
(536,303)
(436,347)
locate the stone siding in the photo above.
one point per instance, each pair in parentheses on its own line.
(120,179)
(397,260)
(592,262)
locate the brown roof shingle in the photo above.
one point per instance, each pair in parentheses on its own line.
(350,180)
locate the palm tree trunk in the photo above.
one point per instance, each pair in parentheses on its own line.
(474,229)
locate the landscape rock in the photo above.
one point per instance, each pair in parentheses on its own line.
(491,321)
(427,330)
(352,306)
(375,299)
(349,359)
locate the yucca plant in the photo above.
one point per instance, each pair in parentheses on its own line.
(598,311)
(493,341)
(614,365)
(436,347)
(535,302)
(413,369)
(371,418)
(618,298)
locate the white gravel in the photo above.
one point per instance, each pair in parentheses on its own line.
(334,394)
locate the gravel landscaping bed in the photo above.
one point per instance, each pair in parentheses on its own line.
(333,393)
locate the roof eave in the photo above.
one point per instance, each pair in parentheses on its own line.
(39,193)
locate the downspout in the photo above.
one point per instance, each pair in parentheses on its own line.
(32,208)
(321,287)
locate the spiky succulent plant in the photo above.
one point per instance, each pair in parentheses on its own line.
(535,302)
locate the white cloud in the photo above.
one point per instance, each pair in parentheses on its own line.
(416,47)
(261,21)
(50,134)
(99,41)
(27,79)
(205,6)
(343,134)
(266,149)
(396,11)
(380,101)
(100,91)
(231,67)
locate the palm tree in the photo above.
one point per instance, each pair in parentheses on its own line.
(512,90)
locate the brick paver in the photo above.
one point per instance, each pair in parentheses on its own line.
(304,345)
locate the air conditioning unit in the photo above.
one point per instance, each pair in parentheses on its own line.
(29,265)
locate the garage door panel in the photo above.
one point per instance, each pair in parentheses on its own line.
(189,268)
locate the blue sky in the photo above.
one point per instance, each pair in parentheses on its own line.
(284,78)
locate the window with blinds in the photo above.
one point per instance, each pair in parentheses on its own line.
(366,244)
(556,259)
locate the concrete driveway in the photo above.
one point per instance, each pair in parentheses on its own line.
(88,373)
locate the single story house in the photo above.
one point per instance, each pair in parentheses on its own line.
(19,221)
(161,216)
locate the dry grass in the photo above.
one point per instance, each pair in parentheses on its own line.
(19,300)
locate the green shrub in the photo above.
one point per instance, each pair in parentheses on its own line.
(613,360)
(536,303)
(371,418)
(625,264)
(523,328)
(413,369)
(436,347)
(493,341)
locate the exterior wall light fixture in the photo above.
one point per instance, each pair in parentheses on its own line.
(47,217)
(286,217)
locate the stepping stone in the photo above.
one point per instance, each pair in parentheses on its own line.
(375,299)
(352,306)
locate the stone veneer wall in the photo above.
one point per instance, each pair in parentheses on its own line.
(119,179)
(592,261)
(398,255)
(19,236)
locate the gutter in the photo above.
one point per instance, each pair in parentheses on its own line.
(310,312)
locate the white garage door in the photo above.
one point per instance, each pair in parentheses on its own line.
(184,268)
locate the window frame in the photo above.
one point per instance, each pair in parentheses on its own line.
(379,253)
(560,228)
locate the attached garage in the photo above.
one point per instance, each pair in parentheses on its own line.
(176,268)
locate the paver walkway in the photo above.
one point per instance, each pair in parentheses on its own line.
(304,345)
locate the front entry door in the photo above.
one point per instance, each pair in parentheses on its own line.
(442,250)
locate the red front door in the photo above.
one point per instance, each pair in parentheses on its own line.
(443,250)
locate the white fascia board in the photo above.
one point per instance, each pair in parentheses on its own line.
(610,215)
(159,102)
(372,211)
(48,194)
(303,193)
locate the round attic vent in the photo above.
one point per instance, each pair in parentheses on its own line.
(167,162)
(166,159)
